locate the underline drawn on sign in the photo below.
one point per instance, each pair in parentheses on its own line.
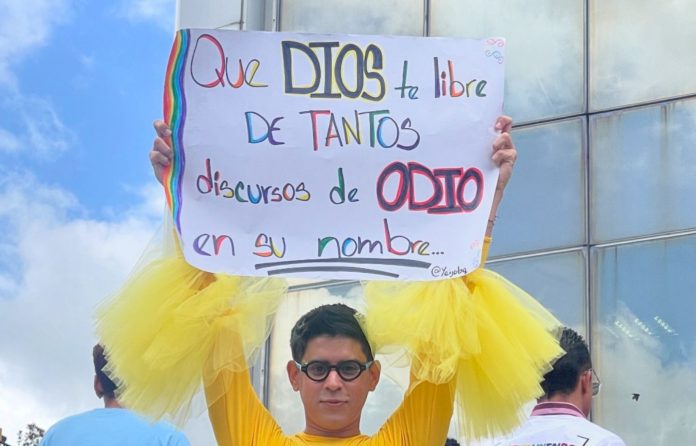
(341,268)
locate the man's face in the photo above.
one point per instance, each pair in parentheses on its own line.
(333,406)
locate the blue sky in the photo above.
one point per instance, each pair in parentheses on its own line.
(80,102)
(80,84)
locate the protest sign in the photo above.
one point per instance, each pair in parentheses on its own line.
(332,156)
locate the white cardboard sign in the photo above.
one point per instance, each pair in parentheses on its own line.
(332,156)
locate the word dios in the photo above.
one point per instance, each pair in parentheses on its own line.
(365,68)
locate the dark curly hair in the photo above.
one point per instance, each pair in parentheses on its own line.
(108,386)
(567,369)
(334,320)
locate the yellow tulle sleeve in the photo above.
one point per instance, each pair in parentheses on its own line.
(173,328)
(481,330)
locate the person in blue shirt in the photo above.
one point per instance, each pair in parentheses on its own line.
(112,425)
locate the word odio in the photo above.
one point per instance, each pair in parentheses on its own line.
(449,183)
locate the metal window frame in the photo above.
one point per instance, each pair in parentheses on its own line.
(272,22)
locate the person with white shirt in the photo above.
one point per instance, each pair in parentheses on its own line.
(560,417)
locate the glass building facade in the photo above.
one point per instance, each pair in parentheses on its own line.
(599,220)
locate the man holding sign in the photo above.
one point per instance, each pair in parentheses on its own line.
(200,312)
(333,366)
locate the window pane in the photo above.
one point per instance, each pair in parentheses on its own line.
(285,404)
(641,50)
(557,281)
(544,205)
(209,14)
(395,17)
(643,166)
(544,49)
(644,341)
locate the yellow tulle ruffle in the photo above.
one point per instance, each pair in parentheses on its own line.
(173,329)
(166,332)
(490,336)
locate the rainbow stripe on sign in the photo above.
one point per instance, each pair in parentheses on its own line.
(175,117)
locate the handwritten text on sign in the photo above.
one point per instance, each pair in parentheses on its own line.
(332,156)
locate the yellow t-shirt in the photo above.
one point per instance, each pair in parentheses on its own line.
(422,419)
(240,419)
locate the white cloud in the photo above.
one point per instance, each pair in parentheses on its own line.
(635,45)
(47,134)
(64,264)
(150,199)
(24,26)
(86,61)
(7,284)
(664,409)
(84,77)
(395,17)
(161,12)
(38,129)
(9,142)
(543,51)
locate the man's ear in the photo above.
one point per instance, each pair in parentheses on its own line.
(586,383)
(293,375)
(375,371)
(98,387)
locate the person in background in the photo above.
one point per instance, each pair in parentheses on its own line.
(113,425)
(560,417)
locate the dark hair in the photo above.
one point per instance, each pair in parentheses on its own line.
(108,386)
(327,320)
(451,442)
(567,369)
